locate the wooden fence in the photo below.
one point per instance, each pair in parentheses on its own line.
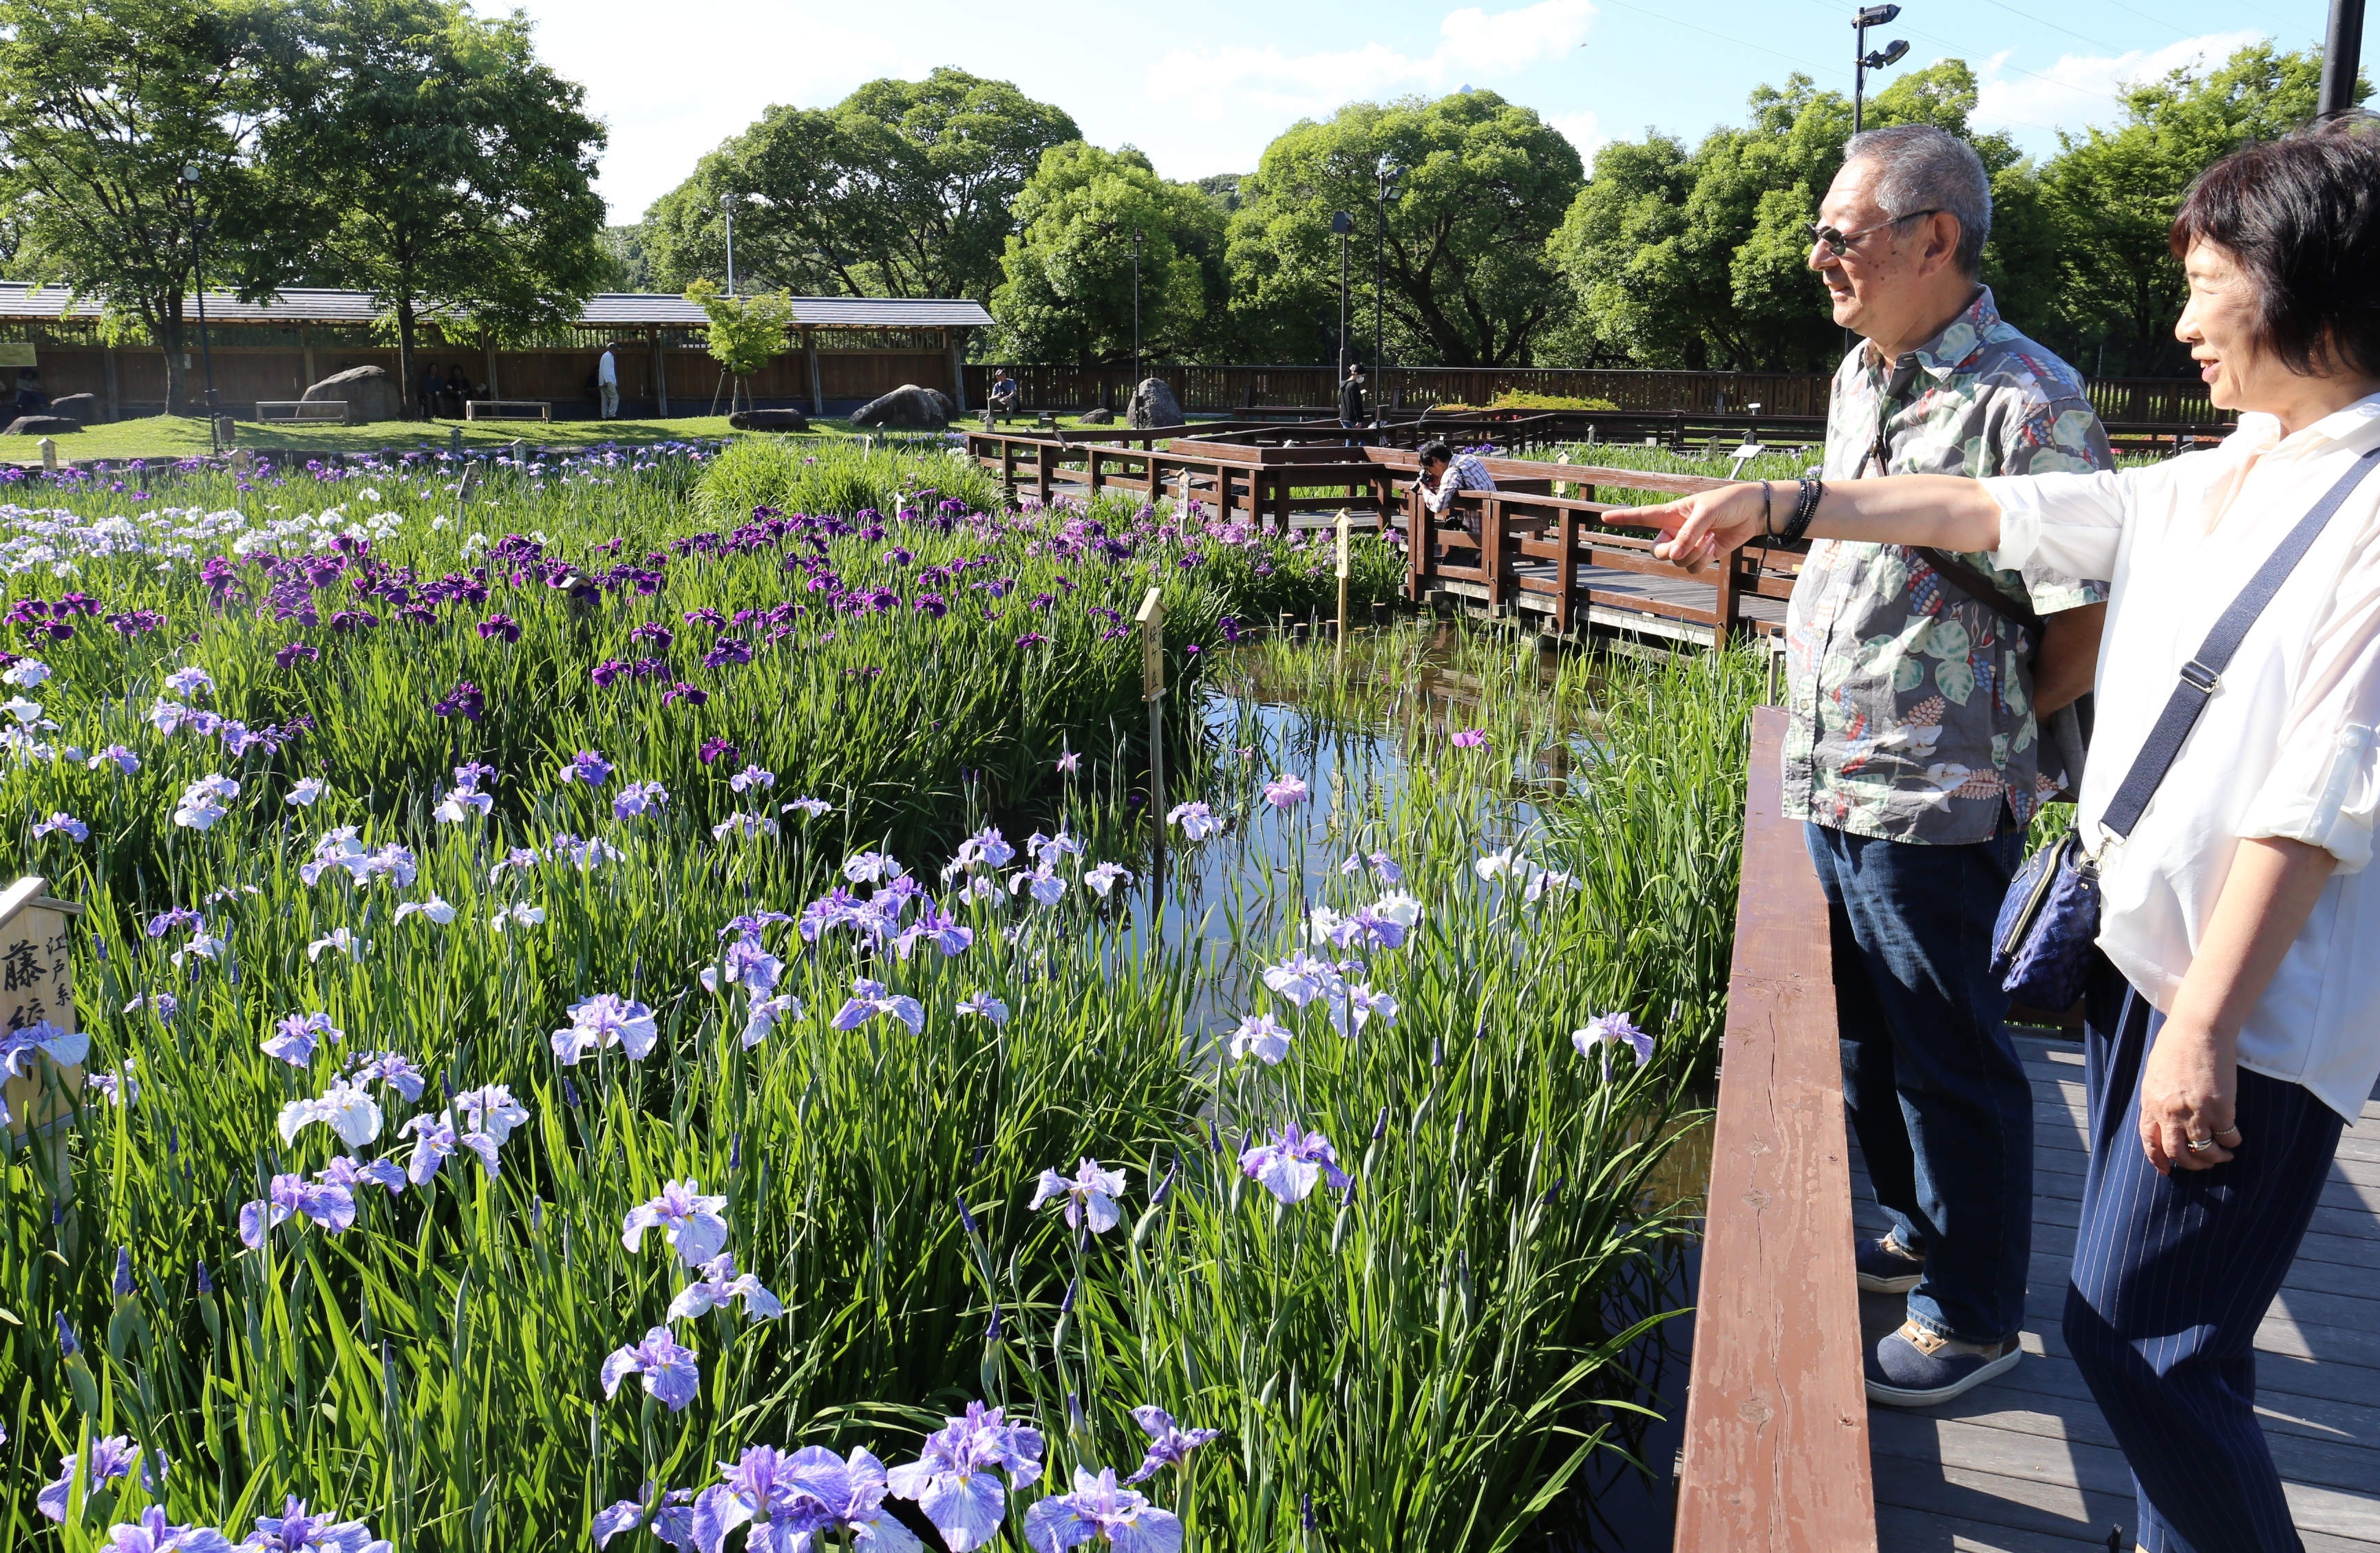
(1219,389)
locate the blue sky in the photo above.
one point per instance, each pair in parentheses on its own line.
(1202,88)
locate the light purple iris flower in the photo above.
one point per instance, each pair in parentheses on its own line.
(332,1207)
(1607,1030)
(296,1531)
(110,1459)
(398,1072)
(1106,877)
(1169,1444)
(293,1039)
(670,1371)
(1046,884)
(116,755)
(1197,821)
(688,1220)
(673,1518)
(1289,1166)
(437,1141)
(986,847)
(1302,978)
(638,799)
(491,1110)
(952,1479)
(869,999)
(1286,791)
(1102,1510)
(1048,851)
(1349,1015)
(153,1534)
(719,1285)
(606,1019)
(746,965)
(762,1016)
(752,778)
(61,821)
(344,1108)
(1262,1035)
(813,808)
(1091,1195)
(587,767)
(348,1173)
(872,867)
(985,1004)
(938,928)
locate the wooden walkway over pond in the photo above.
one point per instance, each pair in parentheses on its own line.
(1783,1454)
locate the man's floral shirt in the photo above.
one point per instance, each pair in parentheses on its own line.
(1912,703)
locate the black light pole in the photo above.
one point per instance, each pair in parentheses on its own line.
(1863,61)
(2342,51)
(1386,177)
(189,182)
(1138,238)
(1342,224)
(728,209)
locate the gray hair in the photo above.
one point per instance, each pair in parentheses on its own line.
(1921,167)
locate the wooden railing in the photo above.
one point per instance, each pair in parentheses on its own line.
(1776,1450)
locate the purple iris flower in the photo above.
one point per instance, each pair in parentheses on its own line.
(1262,1035)
(687,1220)
(293,1039)
(606,672)
(587,767)
(1102,1510)
(952,1479)
(752,777)
(332,1207)
(938,928)
(719,1285)
(718,751)
(502,626)
(1286,791)
(1302,978)
(464,700)
(122,1284)
(670,1370)
(1091,1195)
(116,755)
(746,965)
(437,1141)
(985,1004)
(398,1072)
(295,1531)
(110,1459)
(1607,1030)
(1289,1166)
(727,649)
(605,1020)
(869,999)
(61,821)
(1169,1444)
(672,1520)
(692,695)
(1197,821)
(153,1534)
(296,653)
(638,799)
(347,1172)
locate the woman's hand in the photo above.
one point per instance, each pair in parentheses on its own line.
(1697,529)
(2188,1088)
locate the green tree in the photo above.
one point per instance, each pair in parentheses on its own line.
(901,189)
(745,331)
(1068,295)
(2113,193)
(102,105)
(629,269)
(1466,279)
(439,166)
(1700,259)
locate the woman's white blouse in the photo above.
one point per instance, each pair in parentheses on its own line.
(2285,747)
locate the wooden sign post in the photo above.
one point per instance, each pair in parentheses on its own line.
(37,989)
(1150,618)
(1346,573)
(50,454)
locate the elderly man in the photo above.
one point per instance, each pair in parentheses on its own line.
(1915,754)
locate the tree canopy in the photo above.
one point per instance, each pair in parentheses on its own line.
(901,189)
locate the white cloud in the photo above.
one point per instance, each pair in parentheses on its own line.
(2080,88)
(1583,130)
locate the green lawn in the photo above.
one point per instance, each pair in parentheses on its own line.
(180,436)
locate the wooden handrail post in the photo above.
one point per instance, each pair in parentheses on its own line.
(1041,472)
(1491,550)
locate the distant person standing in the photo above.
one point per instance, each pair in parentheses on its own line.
(607,385)
(429,392)
(458,389)
(1351,399)
(31,397)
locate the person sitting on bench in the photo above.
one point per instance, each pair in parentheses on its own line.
(1445,473)
(1004,393)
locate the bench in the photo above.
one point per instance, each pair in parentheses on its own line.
(508,409)
(306,409)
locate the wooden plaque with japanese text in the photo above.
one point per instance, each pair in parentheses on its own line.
(36,984)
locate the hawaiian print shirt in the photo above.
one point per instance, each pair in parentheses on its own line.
(1912,703)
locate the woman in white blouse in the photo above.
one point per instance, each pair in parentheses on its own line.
(2238,1027)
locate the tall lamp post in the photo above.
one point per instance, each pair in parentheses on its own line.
(199,227)
(1863,61)
(1342,224)
(2342,51)
(728,209)
(1138,238)
(1387,175)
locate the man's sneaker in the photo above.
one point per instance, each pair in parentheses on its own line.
(1885,1268)
(1915,1367)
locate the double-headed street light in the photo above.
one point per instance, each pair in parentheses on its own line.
(1863,61)
(1342,224)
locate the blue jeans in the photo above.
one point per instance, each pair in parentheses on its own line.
(1936,1094)
(2171,1276)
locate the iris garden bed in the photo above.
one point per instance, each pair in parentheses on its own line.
(503,911)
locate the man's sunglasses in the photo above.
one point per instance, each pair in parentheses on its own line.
(1839,243)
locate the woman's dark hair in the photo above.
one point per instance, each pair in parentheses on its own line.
(2301,215)
(1436,453)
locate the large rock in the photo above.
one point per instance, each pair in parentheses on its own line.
(84,407)
(768,420)
(42,426)
(366,390)
(906,408)
(1097,417)
(1153,404)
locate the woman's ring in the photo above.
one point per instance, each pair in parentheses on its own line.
(2199,1145)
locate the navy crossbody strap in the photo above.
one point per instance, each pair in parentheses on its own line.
(2204,672)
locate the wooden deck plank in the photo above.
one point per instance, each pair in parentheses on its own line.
(1775,1431)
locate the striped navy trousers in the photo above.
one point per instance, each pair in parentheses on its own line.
(2171,1276)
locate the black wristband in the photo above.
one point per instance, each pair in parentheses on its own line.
(1806,508)
(1767,512)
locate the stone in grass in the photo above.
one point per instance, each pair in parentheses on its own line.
(1153,404)
(365,390)
(83,407)
(1101,417)
(906,408)
(42,426)
(768,420)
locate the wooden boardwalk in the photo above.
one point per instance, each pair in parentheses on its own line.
(2025,1464)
